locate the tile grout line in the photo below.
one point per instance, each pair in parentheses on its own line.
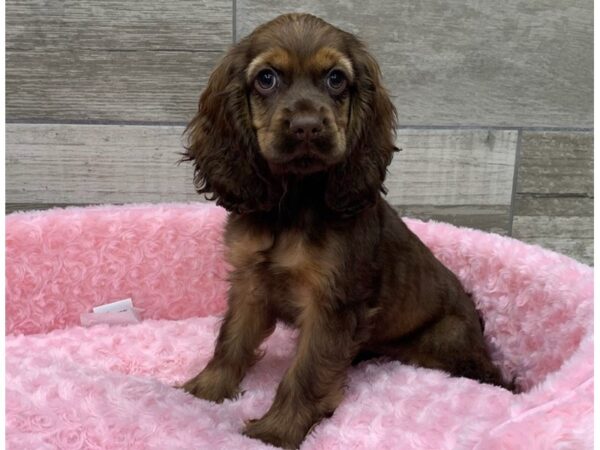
(142,123)
(494,127)
(234,20)
(33,121)
(513,197)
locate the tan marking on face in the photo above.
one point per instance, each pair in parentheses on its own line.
(259,121)
(265,138)
(327,58)
(339,123)
(276,58)
(280,60)
(268,125)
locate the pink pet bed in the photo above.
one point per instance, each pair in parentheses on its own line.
(110,387)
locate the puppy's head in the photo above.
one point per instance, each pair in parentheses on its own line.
(296,97)
(300,103)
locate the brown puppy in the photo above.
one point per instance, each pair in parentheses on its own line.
(293,136)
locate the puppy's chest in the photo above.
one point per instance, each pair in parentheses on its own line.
(289,267)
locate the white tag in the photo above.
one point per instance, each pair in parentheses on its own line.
(115,307)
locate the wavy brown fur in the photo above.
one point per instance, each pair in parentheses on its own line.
(313,243)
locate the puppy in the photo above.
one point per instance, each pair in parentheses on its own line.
(293,136)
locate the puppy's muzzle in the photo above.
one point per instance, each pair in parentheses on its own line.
(306,140)
(306,127)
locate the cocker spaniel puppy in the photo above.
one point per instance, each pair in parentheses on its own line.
(293,136)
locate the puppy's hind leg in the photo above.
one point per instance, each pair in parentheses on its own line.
(452,344)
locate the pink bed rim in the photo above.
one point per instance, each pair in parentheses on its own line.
(111,387)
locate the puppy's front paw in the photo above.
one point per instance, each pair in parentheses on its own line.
(274,432)
(211,385)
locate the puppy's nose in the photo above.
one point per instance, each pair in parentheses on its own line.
(306,127)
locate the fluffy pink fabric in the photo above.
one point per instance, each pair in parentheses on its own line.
(71,387)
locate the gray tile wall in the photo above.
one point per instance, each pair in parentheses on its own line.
(494,100)
(447,62)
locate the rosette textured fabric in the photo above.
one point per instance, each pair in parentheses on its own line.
(112,387)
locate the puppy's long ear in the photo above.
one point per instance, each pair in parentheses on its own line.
(357,182)
(222,144)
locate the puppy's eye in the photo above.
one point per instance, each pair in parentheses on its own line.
(336,81)
(266,81)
